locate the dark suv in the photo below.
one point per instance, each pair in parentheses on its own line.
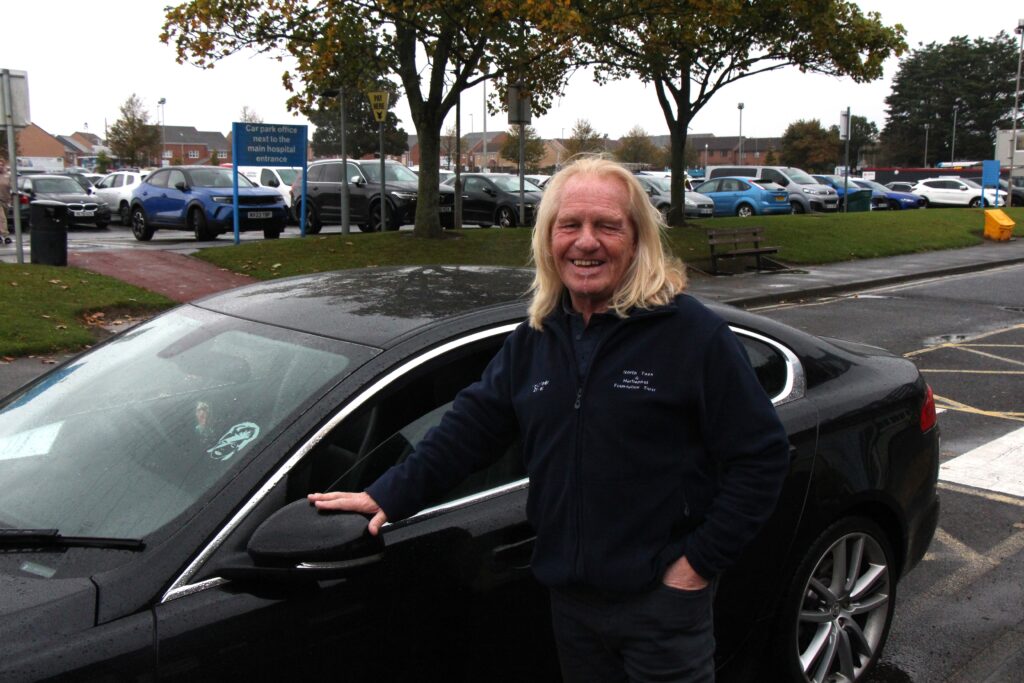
(323,195)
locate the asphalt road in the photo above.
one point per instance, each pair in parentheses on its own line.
(960,613)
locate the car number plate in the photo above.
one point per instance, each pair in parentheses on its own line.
(444,209)
(781,199)
(260,214)
(82,214)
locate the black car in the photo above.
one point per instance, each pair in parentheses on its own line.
(493,199)
(82,206)
(323,195)
(154,520)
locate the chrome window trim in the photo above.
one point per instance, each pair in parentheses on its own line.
(796,380)
(181,586)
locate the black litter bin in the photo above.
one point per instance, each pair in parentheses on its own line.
(49,221)
(858,200)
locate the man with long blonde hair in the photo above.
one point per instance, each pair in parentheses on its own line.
(654,454)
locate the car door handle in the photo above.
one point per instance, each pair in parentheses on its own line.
(516,554)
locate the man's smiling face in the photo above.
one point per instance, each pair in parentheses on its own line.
(593,240)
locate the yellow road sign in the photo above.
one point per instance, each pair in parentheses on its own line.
(379,102)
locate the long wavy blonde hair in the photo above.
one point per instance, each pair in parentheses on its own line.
(653,278)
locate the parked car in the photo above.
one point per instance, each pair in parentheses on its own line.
(837,183)
(116,190)
(156,522)
(444,174)
(493,199)
(279,178)
(659,189)
(745,197)
(901,186)
(1017,189)
(539,180)
(201,199)
(891,198)
(82,206)
(952,191)
(80,177)
(323,202)
(805,193)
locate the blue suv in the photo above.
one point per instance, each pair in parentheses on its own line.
(200,199)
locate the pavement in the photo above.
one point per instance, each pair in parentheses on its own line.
(183,278)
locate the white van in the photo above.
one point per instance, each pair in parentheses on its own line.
(279,178)
(805,193)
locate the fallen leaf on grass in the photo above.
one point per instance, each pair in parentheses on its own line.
(54,282)
(275,266)
(61,327)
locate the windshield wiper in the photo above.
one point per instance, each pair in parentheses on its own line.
(52,538)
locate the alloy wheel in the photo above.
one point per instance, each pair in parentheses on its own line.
(844,616)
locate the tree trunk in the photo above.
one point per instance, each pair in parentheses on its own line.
(428,222)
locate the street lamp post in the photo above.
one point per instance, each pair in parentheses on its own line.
(163,129)
(926,127)
(952,144)
(740,107)
(705,159)
(1016,113)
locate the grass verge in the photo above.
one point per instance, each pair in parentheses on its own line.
(45,309)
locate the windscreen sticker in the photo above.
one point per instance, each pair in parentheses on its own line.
(29,443)
(234,440)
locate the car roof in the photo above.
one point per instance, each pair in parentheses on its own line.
(377,306)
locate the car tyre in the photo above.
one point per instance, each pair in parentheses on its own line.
(798,207)
(836,614)
(141,229)
(102,224)
(924,202)
(975,203)
(197,219)
(894,205)
(506,218)
(313,222)
(271,233)
(374,219)
(125,212)
(744,211)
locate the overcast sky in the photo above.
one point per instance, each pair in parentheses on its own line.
(84,59)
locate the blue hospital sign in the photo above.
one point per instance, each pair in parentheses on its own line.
(268,144)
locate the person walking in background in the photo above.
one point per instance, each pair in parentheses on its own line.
(5,199)
(653,453)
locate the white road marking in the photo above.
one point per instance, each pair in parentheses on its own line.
(996,466)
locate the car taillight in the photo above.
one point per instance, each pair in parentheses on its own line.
(928,410)
(23,199)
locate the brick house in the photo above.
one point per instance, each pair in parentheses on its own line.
(33,141)
(187,146)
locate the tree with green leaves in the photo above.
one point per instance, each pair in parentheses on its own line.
(807,145)
(533,149)
(635,147)
(689,51)
(214,158)
(973,78)
(362,130)
(102,162)
(436,50)
(584,139)
(132,137)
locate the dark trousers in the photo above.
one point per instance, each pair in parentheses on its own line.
(664,634)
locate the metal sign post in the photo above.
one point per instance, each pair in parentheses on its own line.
(845,134)
(519,114)
(14,113)
(379,102)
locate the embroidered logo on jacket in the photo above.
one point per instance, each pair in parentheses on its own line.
(541,386)
(635,380)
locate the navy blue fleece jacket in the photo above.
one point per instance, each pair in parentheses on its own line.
(667,447)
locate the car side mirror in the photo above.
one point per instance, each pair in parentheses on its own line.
(180,185)
(357,180)
(301,543)
(490,191)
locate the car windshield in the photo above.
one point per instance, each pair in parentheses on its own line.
(288,175)
(57,186)
(799,177)
(131,439)
(510,183)
(392,171)
(216,177)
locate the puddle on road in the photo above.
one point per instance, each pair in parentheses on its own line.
(945,339)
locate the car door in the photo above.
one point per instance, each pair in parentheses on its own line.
(325,190)
(104,189)
(477,205)
(153,195)
(174,200)
(446,600)
(730,190)
(359,192)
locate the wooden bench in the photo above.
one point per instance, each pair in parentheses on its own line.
(730,243)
